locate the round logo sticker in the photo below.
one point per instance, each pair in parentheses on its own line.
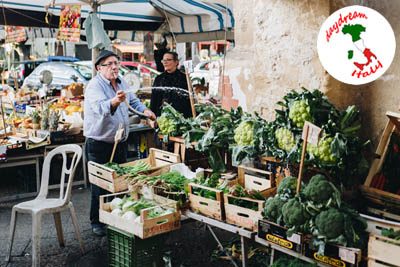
(356,45)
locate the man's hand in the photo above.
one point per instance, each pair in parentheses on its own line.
(118,99)
(149,114)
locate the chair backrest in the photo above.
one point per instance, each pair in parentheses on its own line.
(64,150)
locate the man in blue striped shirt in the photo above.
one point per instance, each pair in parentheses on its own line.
(104,110)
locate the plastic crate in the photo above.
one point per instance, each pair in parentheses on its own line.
(125,249)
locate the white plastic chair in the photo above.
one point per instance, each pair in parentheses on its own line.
(44,205)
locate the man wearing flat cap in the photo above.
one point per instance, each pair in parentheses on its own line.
(104,110)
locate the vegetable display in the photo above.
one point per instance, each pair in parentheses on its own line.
(244,133)
(129,209)
(130,171)
(339,151)
(170,181)
(317,210)
(171,122)
(246,136)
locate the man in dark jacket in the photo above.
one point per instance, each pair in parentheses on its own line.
(174,87)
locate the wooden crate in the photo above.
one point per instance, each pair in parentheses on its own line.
(375,195)
(147,227)
(109,180)
(256,179)
(376,225)
(240,216)
(208,207)
(157,190)
(384,251)
(251,179)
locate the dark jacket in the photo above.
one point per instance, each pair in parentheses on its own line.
(179,99)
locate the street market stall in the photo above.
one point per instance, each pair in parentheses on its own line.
(287,185)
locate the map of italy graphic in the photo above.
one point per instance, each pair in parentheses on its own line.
(355,32)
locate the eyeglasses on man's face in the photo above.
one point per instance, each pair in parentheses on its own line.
(109,64)
(167,60)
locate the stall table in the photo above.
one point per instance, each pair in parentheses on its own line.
(22,160)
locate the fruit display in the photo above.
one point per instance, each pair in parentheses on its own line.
(75,89)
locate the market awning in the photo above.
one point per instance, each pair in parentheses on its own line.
(192,20)
(182,17)
(128,15)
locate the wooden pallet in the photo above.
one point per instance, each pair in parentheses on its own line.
(375,195)
(208,207)
(146,227)
(109,180)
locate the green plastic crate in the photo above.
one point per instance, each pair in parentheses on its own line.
(127,250)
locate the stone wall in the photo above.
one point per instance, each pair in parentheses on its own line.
(276,51)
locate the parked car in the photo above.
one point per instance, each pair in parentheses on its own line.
(201,71)
(62,59)
(89,64)
(21,70)
(63,74)
(139,67)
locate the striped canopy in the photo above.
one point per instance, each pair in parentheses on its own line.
(178,16)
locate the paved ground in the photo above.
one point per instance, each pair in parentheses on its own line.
(190,246)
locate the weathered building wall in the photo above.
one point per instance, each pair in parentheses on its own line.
(276,51)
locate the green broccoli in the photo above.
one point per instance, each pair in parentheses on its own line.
(273,208)
(294,213)
(321,192)
(288,186)
(330,223)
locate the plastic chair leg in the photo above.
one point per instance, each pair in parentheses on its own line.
(12,232)
(57,222)
(36,235)
(76,226)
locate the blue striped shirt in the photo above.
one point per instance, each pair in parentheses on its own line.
(99,123)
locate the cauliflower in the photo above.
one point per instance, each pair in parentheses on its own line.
(285,139)
(288,186)
(166,125)
(294,213)
(324,153)
(273,208)
(244,133)
(330,223)
(299,112)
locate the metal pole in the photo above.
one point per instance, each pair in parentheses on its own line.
(95,51)
(244,251)
(221,247)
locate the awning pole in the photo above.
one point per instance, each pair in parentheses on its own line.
(95,50)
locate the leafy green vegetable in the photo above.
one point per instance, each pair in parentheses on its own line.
(131,171)
(295,215)
(171,181)
(330,223)
(171,122)
(273,209)
(287,187)
(320,194)
(391,233)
